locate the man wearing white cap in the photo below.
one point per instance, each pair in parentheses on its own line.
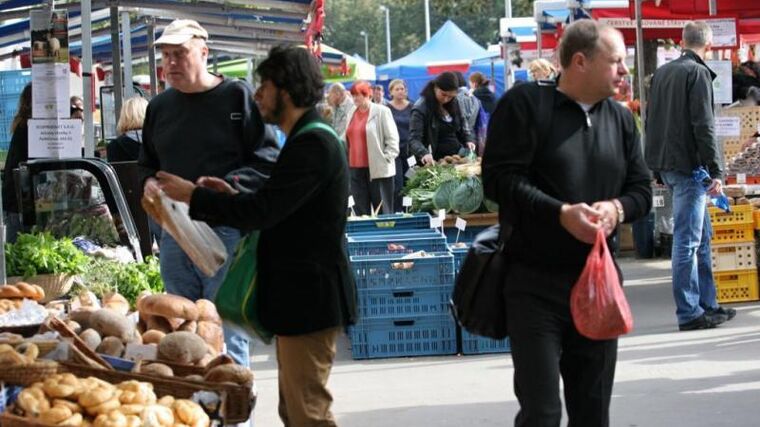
(204,125)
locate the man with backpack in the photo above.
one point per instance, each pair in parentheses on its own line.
(563,161)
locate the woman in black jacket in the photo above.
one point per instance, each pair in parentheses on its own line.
(126,147)
(18,152)
(437,128)
(479,84)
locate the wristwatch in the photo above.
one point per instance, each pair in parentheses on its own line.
(620,211)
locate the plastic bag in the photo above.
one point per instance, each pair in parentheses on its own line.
(597,302)
(701,176)
(196,238)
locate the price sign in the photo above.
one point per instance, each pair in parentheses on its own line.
(411,161)
(435,222)
(461,224)
(406,202)
(351,201)
(741,178)
(140,352)
(658,201)
(442,214)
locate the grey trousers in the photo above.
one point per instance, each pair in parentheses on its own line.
(366,191)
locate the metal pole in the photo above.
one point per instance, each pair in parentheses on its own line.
(366,45)
(713,7)
(151,28)
(387,31)
(507,73)
(89,131)
(640,67)
(427,20)
(539,41)
(508,8)
(116,61)
(126,31)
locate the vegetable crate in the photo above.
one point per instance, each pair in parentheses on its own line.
(397,271)
(466,236)
(404,336)
(736,256)
(389,222)
(459,256)
(384,303)
(475,344)
(389,244)
(737,286)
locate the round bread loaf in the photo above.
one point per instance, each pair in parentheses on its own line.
(169,306)
(229,373)
(182,347)
(116,302)
(212,334)
(207,311)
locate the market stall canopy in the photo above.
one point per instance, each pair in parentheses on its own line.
(449,49)
(341,67)
(523,30)
(242,27)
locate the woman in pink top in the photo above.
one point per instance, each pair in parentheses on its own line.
(372,140)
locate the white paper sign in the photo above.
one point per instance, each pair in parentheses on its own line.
(351,201)
(724,32)
(741,178)
(50,97)
(442,214)
(411,161)
(728,126)
(435,222)
(140,352)
(461,224)
(722,84)
(406,201)
(658,201)
(55,138)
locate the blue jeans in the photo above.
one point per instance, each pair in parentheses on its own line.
(182,277)
(693,285)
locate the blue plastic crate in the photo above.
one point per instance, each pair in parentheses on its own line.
(13,81)
(395,271)
(389,222)
(474,344)
(459,255)
(394,234)
(386,244)
(466,236)
(403,336)
(8,395)
(383,303)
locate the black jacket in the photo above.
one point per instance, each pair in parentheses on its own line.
(486,97)
(423,129)
(680,125)
(18,151)
(125,148)
(583,158)
(306,284)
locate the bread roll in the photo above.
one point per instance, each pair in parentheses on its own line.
(158,323)
(230,373)
(182,347)
(112,324)
(207,311)
(168,306)
(116,302)
(152,336)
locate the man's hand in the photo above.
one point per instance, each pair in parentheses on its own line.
(715,188)
(216,184)
(427,159)
(175,187)
(471,146)
(151,188)
(609,215)
(581,220)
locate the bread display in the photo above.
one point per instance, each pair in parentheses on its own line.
(182,347)
(168,306)
(22,290)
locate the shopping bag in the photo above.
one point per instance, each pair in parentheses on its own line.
(237,298)
(477,302)
(597,302)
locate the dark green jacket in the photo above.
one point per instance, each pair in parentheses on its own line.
(306,283)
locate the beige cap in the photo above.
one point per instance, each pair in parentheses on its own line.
(180,31)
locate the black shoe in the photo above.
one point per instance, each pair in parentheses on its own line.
(704,321)
(730,313)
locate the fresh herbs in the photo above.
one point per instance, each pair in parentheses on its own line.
(41,253)
(129,279)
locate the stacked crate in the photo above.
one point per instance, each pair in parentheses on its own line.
(734,261)
(402,301)
(11,85)
(474,344)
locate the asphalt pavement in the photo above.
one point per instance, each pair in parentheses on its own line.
(664,378)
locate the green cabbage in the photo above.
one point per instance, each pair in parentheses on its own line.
(468,197)
(442,196)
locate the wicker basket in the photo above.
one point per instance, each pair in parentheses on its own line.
(10,420)
(27,374)
(178,369)
(55,285)
(237,401)
(44,347)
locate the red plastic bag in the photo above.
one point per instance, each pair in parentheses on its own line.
(597,302)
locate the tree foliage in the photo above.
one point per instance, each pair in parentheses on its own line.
(347,18)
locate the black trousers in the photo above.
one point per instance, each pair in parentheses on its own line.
(545,346)
(366,191)
(399,181)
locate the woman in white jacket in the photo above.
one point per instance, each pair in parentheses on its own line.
(372,142)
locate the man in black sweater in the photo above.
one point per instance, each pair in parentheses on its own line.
(204,125)
(563,162)
(306,293)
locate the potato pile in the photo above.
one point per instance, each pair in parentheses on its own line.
(186,332)
(66,400)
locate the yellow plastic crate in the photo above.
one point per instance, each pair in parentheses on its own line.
(735,233)
(737,285)
(756,216)
(740,214)
(734,256)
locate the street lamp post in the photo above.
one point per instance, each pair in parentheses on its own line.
(366,44)
(387,31)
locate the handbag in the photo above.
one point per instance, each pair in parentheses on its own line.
(238,296)
(478,300)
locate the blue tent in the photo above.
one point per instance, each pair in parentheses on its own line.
(449,49)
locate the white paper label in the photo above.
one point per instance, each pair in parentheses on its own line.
(461,224)
(442,214)
(728,126)
(435,222)
(406,201)
(658,201)
(351,201)
(411,161)
(55,138)
(741,178)
(410,173)
(140,352)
